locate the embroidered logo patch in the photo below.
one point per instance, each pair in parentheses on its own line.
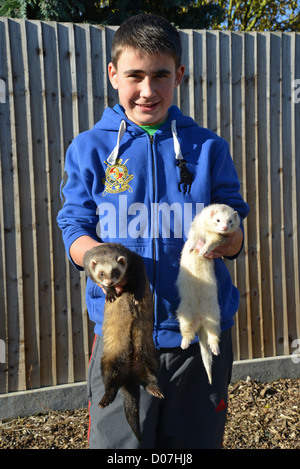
(117,178)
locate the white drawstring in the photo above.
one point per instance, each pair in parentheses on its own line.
(177,149)
(115,153)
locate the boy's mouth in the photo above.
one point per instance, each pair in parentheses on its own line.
(147,107)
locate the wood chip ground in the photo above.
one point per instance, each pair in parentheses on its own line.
(260,416)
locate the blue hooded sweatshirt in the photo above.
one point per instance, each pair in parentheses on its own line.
(121,185)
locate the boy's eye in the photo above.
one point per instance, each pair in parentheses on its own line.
(135,76)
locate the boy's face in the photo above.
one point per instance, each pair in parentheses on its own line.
(145,84)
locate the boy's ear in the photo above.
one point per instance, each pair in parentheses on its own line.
(112,74)
(179,75)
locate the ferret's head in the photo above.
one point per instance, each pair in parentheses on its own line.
(223,219)
(109,273)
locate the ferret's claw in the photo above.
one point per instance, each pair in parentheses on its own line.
(215,349)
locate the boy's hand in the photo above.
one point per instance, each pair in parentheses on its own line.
(230,248)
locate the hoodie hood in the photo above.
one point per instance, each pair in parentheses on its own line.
(112,118)
(110,122)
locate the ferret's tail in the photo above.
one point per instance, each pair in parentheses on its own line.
(131,402)
(206,354)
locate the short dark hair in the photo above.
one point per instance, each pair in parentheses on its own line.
(150,34)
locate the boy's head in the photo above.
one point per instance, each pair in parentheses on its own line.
(146,67)
(148,34)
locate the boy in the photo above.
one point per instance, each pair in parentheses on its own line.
(138,177)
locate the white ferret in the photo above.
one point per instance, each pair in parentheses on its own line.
(199,311)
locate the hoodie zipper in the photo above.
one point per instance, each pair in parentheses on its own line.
(154,192)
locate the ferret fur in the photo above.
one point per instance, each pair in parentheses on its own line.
(129,356)
(199,311)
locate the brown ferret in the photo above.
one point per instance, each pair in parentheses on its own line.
(129,357)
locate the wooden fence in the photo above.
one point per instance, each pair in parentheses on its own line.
(241,85)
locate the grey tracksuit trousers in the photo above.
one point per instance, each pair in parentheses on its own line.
(191,416)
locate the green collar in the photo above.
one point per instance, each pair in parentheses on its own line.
(151,129)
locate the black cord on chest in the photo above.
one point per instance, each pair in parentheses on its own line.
(186,177)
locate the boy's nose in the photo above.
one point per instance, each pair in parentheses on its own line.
(147,88)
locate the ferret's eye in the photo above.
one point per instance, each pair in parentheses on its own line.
(218,220)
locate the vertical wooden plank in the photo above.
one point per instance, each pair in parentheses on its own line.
(275,180)
(28,201)
(212,79)
(295,126)
(4,149)
(261,188)
(12,215)
(224,106)
(243,337)
(99,71)
(84,87)
(69,107)
(55,148)
(185,92)
(252,183)
(198,76)
(225,113)
(112,94)
(288,285)
(3,297)
(83,76)
(264,131)
(46,336)
(81,56)
(204,80)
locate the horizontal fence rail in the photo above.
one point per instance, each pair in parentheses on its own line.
(53,85)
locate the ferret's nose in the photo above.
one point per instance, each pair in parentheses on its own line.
(224,228)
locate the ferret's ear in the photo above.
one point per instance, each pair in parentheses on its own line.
(121,260)
(235,214)
(212,212)
(93,264)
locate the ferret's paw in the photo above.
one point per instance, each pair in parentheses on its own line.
(155,391)
(135,301)
(185,343)
(105,401)
(203,251)
(215,349)
(110,299)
